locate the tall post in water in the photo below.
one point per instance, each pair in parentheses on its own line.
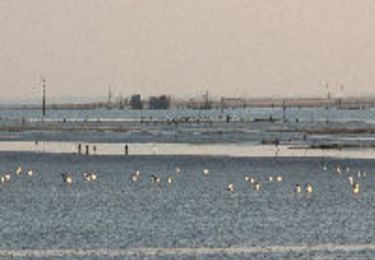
(284,111)
(44,96)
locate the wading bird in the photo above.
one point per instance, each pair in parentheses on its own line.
(309,188)
(68,179)
(155,179)
(230,187)
(19,170)
(89,176)
(256,186)
(355,188)
(30,172)
(135,176)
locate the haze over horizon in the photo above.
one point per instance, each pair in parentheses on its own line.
(248,48)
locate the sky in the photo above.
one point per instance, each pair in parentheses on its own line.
(235,48)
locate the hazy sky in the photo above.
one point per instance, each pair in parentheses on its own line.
(230,47)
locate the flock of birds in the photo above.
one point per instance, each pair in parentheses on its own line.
(351,177)
(252,181)
(67,178)
(88,176)
(8,176)
(136,176)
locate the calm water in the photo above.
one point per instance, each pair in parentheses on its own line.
(195,217)
(196,211)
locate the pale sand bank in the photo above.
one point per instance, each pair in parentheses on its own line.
(234,150)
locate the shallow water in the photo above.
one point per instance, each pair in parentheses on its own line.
(195,217)
(303,114)
(196,211)
(124,126)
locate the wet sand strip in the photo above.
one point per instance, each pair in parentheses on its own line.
(184,251)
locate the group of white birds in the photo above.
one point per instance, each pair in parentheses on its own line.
(256,184)
(136,176)
(88,177)
(67,178)
(352,176)
(8,176)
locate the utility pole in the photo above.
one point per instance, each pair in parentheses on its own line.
(284,111)
(44,96)
(109,102)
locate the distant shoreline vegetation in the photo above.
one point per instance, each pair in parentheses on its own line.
(163,102)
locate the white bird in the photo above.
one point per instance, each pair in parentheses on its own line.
(270,179)
(206,172)
(355,188)
(135,176)
(359,174)
(89,176)
(169,179)
(178,170)
(257,186)
(338,170)
(298,188)
(325,168)
(19,170)
(155,179)
(279,179)
(309,188)
(230,187)
(30,172)
(67,179)
(351,180)
(7,177)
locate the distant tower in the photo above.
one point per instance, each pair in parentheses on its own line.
(109,103)
(328,91)
(206,101)
(44,96)
(284,111)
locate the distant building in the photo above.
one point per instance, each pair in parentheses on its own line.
(162,102)
(136,102)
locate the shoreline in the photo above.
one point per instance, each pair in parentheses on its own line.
(183,149)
